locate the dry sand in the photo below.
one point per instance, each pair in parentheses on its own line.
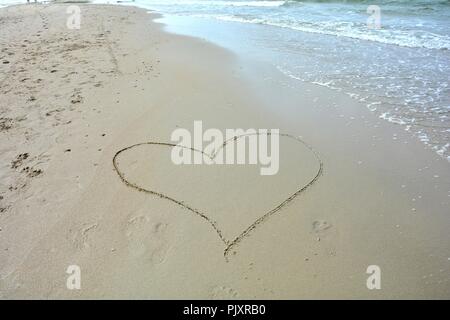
(70,99)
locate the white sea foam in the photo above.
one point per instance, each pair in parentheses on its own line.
(394,37)
(219,3)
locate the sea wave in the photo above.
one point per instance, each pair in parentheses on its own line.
(380,2)
(411,39)
(263,3)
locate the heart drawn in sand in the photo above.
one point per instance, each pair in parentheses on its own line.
(169,190)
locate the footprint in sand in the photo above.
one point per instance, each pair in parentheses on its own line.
(19,160)
(32,172)
(6,124)
(76,97)
(147,239)
(320,226)
(224,292)
(81,237)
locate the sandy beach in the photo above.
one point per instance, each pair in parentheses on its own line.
(354,190)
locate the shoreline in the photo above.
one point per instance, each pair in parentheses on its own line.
(255,35)
(81,96)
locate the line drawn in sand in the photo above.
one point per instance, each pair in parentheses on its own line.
(229,244)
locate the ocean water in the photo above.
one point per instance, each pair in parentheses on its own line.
(395,57)
(397,65)
(5,3)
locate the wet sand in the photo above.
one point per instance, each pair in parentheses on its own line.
(71,99)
